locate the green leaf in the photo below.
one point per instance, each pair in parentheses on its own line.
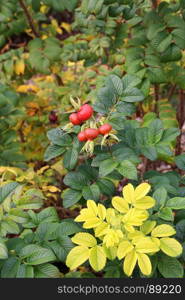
(107,166)
(115,82)
(106,186)
(176,203)
(132,94)
(48,214)
(170,267)
(130,81)
(7,189)
(128,170)
(61,247)
(70,158)
(46,271)
(58,137)
(25,271)
(155,131)
(156,75)
(3,251)
(91,192)
(169,135)
(166,214)
(18,215)
(180,161)
(75,180)
(160,195)
(68,227)
(70,197)
(180,230)
(40,256)
(10,268)
(53,151)
(32,199)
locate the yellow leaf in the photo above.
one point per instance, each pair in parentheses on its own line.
(92,223)
(120,204)
(130,262)
(84,239)
(170,246)
(66,26)
(101,211)
(101,229)
(41,171)
(124,248)
(51,188)
(146,245)
(163,230)
(92,207)
(128,193)
(97,258)
(144,263)
(77,256)
(145,202)
(110,215)
(141,190)
(19,67)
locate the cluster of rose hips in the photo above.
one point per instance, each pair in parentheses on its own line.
(85,112)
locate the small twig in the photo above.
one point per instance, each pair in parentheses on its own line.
(181,118)
(171,91)
(154,4)
(156,93)
(29,17)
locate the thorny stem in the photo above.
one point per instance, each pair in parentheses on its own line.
(29,17)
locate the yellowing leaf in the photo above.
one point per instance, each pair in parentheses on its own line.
(84,239)
(19,67)
(27,88)
(146,245)
(120,204)
(101,211)
(41,170)
(163,230)
(128,193)
(170,246)
(77,256)
(145,202)
(51,188)
(130,262)
(124,248)
(141,190)
(147,226)
(97,258)
(144,264)
(66,26)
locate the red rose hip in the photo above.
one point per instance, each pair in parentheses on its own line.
(82,136)
(74,119)
(105,129)
(91,133)
(85,112)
